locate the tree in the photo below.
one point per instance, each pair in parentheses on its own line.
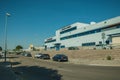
(18,47)
(0,48)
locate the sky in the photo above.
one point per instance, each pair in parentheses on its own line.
(32,21)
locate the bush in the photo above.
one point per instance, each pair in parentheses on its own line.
(109,58)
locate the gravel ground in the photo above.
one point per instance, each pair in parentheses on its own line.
(88,57)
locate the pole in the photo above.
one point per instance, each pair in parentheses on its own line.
(5,36)
(6,17)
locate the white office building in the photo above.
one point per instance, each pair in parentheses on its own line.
(106,32)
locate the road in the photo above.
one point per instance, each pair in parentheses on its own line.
(36,69)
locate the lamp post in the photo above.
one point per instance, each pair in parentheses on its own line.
(6,17)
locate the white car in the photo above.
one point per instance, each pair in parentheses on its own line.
(38,55)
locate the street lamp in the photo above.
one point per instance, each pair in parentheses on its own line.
(6,16)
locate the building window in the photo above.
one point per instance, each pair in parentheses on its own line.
(118,26)
(81,34)
(52,47)
(107,42)
(49,41)
(68,30)
(88,44)
(90,32)
(63,46)
(111,27)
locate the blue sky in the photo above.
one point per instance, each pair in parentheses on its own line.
(32,21)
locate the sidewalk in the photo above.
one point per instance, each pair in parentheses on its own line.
(6,72)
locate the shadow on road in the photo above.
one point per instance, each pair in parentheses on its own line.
(8,57)
(12,57)
(8,63)
(36,73)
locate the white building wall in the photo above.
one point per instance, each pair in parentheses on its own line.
(97,37)
(81,27)
(83,39)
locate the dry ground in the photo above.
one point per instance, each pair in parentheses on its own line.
(88,56)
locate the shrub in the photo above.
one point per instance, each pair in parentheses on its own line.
(109,58)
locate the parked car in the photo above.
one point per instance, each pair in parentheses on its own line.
(23,53)
(45,56)
(38,55)
(28,55)
(60,57)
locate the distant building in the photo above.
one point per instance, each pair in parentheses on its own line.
(33,48)
(81,34)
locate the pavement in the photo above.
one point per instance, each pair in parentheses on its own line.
(6,72)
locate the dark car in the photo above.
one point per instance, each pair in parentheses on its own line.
(60,57)
(45,56)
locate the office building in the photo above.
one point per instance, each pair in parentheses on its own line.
(103,33)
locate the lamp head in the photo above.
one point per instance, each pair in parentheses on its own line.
(7,14)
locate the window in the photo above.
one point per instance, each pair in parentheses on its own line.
(63,46)
(88,44)
(118,26)
(49,41)
(107,42)
(90,32)
(81,34)
(52,47)
(111,27)
(68,30)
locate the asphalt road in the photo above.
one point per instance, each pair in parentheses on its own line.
(37,69)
